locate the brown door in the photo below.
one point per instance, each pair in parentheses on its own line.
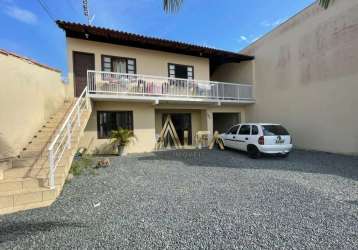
(81,63)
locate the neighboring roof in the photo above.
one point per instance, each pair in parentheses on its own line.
(8,53)
(93,33)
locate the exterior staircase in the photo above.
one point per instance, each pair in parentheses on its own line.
(36,177)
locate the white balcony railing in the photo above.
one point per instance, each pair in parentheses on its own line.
(111,83)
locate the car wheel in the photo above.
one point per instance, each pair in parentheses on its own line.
(253,152)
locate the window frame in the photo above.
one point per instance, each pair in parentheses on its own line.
(246,125)
(187,66)
(252,129)
(237,130)
(119,57)
(99,136)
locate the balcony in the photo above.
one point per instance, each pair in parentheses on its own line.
(113,86)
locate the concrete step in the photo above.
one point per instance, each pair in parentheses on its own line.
(38,162)
(27,172)
(26,200)
(33,154)
(3,166)
(28,183)
(18,188)
(28,161)
(25,184)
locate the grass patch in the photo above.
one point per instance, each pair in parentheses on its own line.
(81,165)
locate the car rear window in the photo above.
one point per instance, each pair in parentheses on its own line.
(274,130)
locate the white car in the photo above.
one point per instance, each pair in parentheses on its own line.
(258,138)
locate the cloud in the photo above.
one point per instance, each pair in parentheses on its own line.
(247,39)
(273,23)
(243,38)
(21,15)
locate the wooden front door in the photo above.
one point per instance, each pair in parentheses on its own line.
(81,63)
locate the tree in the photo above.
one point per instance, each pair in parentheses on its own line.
(174,5)
(325,3)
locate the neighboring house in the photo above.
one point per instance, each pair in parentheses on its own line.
(135,81)
(306,77)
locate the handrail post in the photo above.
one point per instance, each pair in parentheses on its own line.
(223,92)
(187,88)
(79,114)
(51,173)
(217,91)
(87,99)
(88,79)
(238,93)
(68,143)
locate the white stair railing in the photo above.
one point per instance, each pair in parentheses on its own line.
(63,136)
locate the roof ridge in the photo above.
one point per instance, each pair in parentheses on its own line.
(62,25)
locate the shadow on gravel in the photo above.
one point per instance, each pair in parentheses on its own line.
(299,161)
(13,231)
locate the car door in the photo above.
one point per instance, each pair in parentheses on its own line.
(243,137)
(230,136)
(255,134)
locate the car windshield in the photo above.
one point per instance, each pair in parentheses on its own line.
(270,130)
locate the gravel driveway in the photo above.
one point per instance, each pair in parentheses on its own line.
(200,199)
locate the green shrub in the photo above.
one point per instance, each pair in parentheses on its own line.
(82,164)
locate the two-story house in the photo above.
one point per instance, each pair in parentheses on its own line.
(135,81)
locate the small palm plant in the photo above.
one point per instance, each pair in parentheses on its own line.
(121,138)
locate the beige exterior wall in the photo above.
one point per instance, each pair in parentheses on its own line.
(306,77)
(149,62)
(242,72)
(147,122)
(29,95)
(143,121)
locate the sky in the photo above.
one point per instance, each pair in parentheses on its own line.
(29,30)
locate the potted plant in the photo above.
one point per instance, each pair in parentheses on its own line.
(121,138)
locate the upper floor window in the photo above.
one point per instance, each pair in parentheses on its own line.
(180,71)
(119,64)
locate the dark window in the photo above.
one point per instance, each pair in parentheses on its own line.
(112,120)
(233,130)
(254,130)
(180,71)
(119,64)
(272,130)
(244,130)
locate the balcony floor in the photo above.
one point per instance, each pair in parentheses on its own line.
(166,99)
